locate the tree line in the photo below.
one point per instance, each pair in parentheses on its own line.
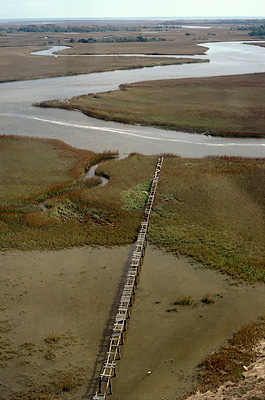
(258,31)
(114,39)
(67,29)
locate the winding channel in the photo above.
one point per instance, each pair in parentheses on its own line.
(169,349)
(19,117)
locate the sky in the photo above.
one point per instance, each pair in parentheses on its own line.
(23,9)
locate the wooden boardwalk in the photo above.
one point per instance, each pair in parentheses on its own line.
(123,313)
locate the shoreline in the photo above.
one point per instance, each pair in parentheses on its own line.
(147,114)
(102,71)
(165,127)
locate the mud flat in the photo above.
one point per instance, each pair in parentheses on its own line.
(171,344)
(55,306)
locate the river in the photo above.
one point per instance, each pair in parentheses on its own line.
(167,345)
(19,117)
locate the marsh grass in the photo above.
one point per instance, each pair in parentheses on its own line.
(136,197)
(55,387)
(67,385)
(184,301)
(52,339)
(209,210)
(34,67)
(78,213)
(207,299)
(50,355)
(51,166)
(173,309)
(231,106)
(227,363)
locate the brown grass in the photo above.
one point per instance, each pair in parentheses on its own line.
(227,364)
(210,210)
(223,106)
(52,338)
(31,66)
(16,63)
(51,167)
(183,301)
(207,299)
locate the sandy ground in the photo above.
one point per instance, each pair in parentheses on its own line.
(64,294)
(251,388)
(57,310)
(170,345)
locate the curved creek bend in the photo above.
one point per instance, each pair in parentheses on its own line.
(18,117)
(169,345)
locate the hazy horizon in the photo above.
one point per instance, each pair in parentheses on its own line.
(219,18)
(137,9)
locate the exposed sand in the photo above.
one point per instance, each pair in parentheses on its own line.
(251,388)
(67,293)
(70,296)
(170,345)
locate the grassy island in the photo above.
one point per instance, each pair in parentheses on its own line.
(221,106)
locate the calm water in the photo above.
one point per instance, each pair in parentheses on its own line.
(18,117)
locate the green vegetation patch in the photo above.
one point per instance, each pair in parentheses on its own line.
(257,31)
(66,209)
(215,249)
(209,210)
(136,197)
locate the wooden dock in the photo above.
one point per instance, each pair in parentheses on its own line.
(123,313)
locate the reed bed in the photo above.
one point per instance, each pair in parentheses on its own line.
(221,106)
(210,210)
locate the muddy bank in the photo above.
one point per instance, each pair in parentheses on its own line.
(56,313)
(251,388)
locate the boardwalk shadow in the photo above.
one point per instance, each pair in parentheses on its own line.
(133,262)
(105,339)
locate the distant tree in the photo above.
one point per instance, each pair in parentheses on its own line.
(141,39)
(258,31)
